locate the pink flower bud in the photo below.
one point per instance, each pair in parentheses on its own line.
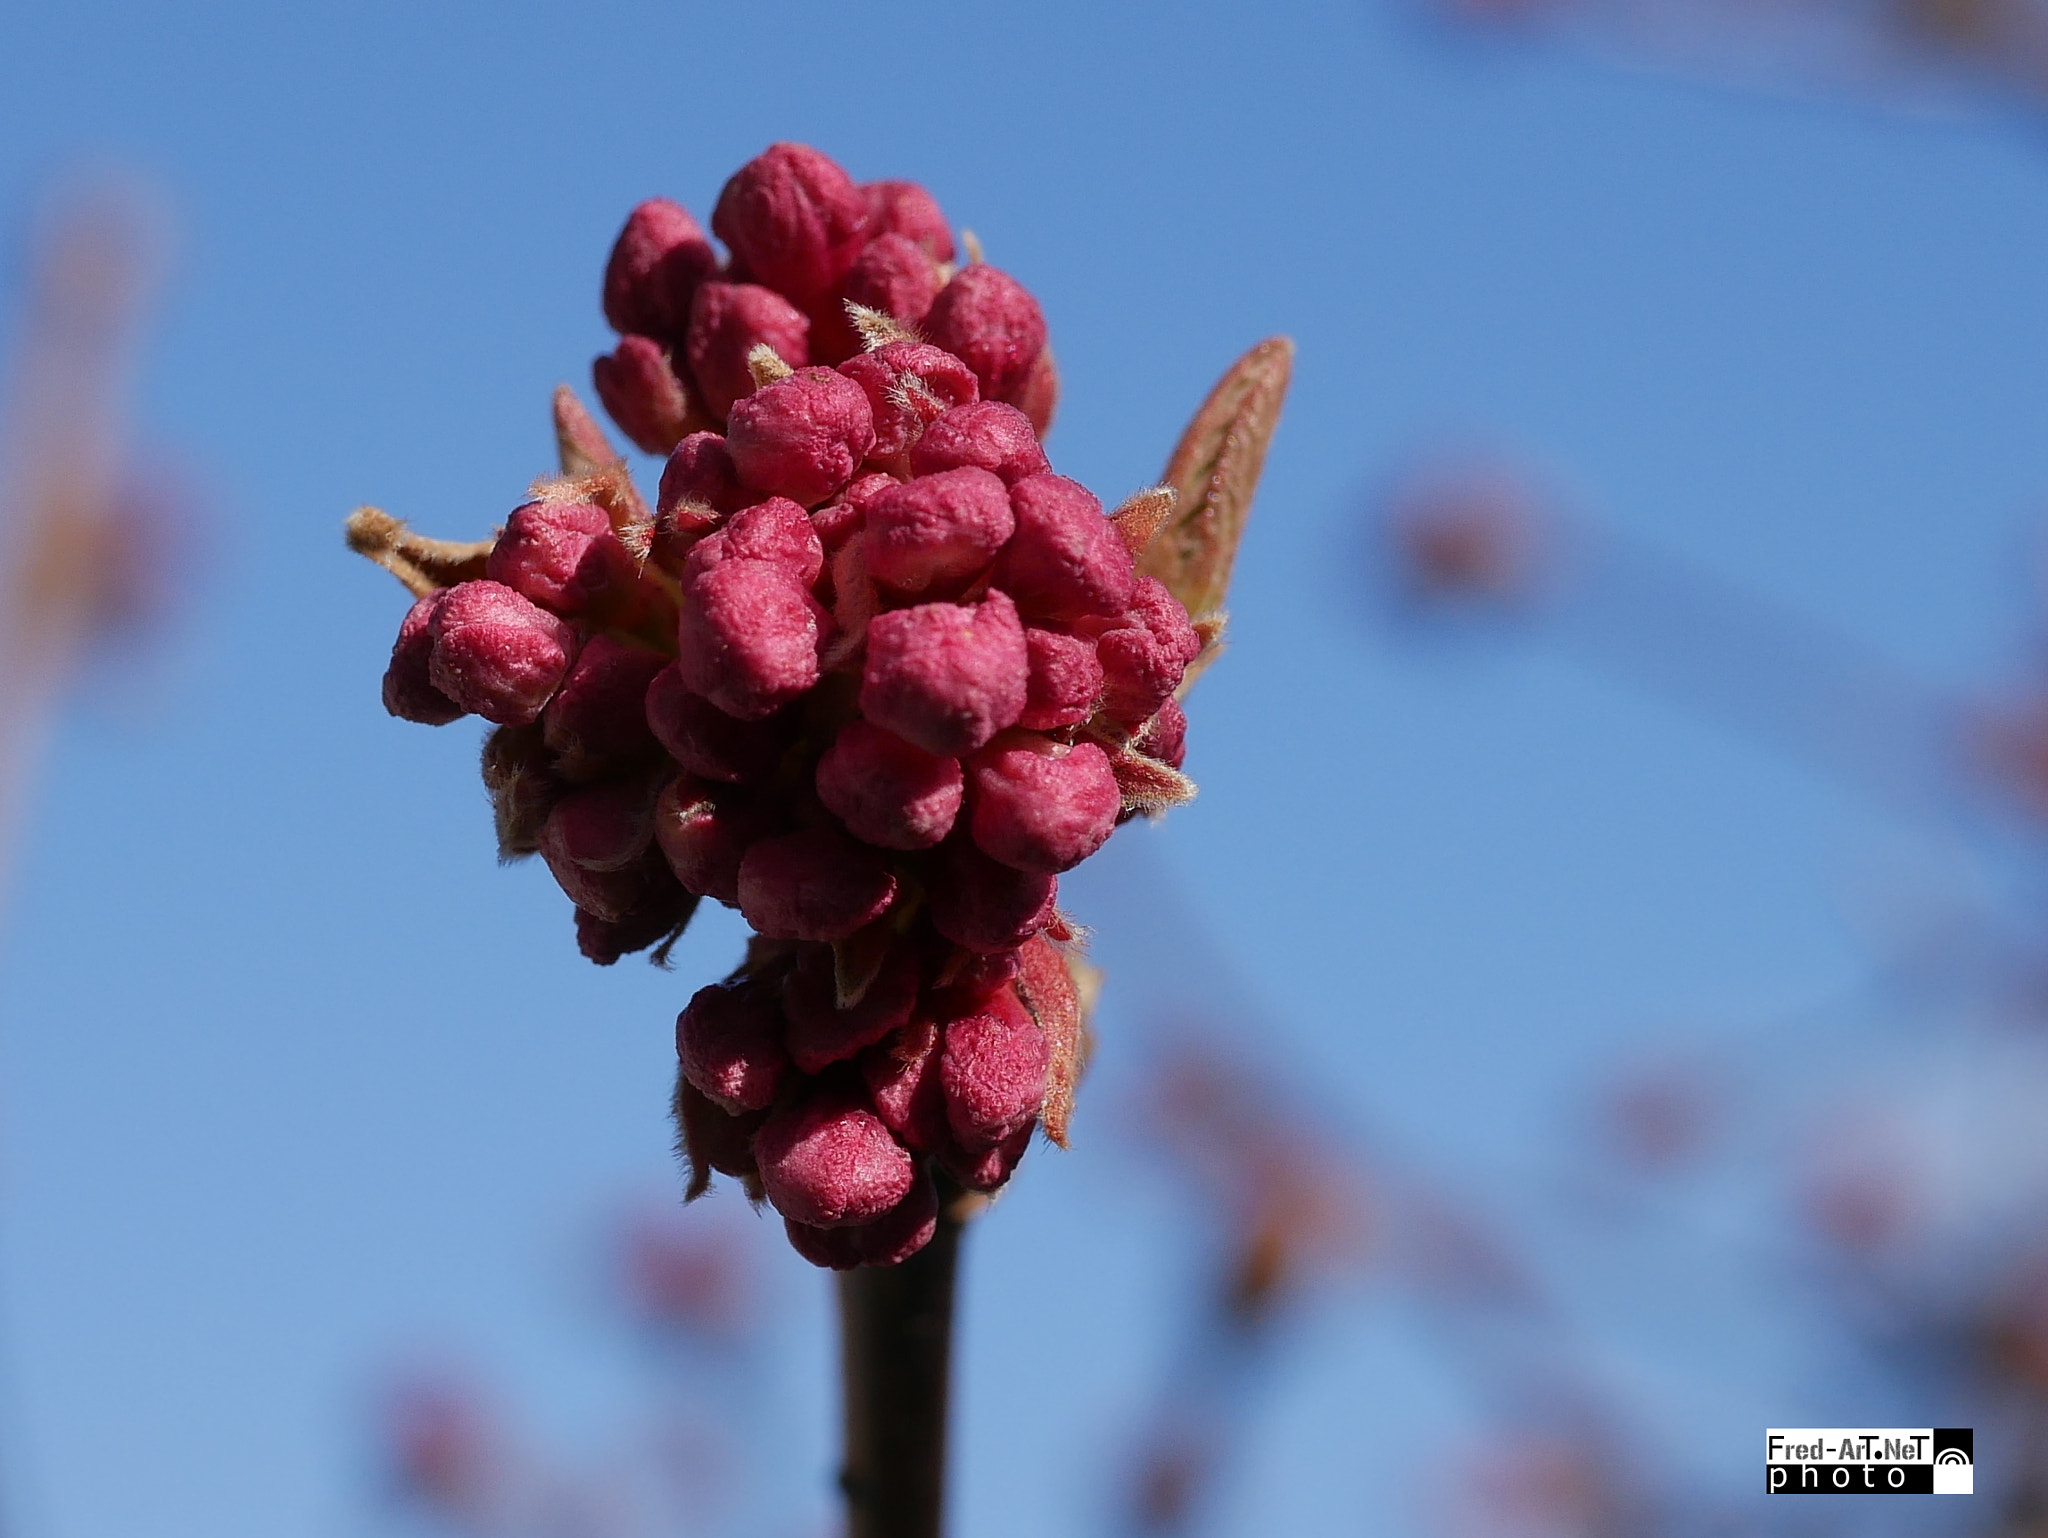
(794,218)
(728,321)
(801,437)
(895,276)
(1144,659)
(1042,805)
(902,1076)
(729,1040)
(992,1070)
(1165,736)
(601,827)
(409,691)
(705,740)
(712,1138)
(983,904)
(598,718)
(496,653)
(658,261)
(642,393)
(605,894)
(946,676)
(889,1240)
(657,916)
(1067,561)
(816,884)
(990,322)
(1064,682)
(938,530)
(838,521)
(562,555)
(704,834)
(986,434)
(776,531)
(700,471)
(828,1161)
(909,385)
(1039,398)
(904,208)
(990,1169)
(887,791)
(748,636)
(818,1032)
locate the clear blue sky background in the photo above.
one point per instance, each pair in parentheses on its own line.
(293,1078)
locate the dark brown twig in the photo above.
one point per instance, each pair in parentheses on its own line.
(896,1333)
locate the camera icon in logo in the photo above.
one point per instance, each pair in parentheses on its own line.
(1953,1469)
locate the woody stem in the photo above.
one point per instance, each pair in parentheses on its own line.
(896,1332)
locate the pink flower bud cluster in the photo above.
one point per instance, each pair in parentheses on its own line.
(873,674)
(804,241)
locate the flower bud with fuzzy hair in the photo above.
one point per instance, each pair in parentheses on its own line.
(1165,736)
(727,322)
(827,1161)
(902,1078)
(729,1041)
(801,437)
(992,1070)
(776,531)
(1041,805)
(748,638)
(909,385)
(989,320)
(656,264)
(820,1033)
(888,1240)
(986,434)
(794,219)
(895,277)
(704,835)
(815,884)
(905,208)
(497,654)
(642,393)
(1064,682)
(701,471)
(991,1168)
(935,532)
(889,792)
(705,740)
(983,904)
(409,691)
(597,720)
(601,827)
(946,676)
(564,556)
(1145,658)
(1067,561)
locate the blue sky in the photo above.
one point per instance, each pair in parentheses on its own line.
(293,1078)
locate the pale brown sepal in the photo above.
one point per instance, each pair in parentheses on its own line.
(857,962)
(1142,515)
(580,443)
(1215,469)
(1209,630)
(766,365)
(877,328)
(423,565)
(1149,787)
(608,486)
(1047,989)
(971,244)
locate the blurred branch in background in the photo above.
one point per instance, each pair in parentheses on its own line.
(85,544)
(1924,53)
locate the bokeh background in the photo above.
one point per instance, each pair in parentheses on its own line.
(1675,1064)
